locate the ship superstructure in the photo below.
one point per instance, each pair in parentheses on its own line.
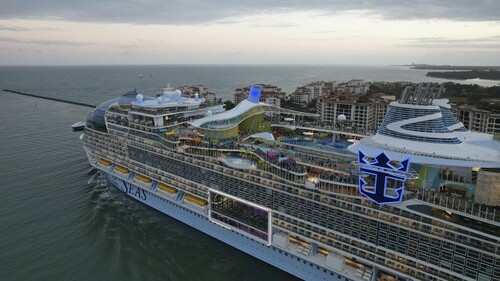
(288,193)
(421,125)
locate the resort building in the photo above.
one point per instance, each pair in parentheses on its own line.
(356,86)
(270,94)
(478,120)
(315,90)
(362,117)
(190,91)
(312,91)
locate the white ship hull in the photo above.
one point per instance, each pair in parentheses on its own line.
(269,254)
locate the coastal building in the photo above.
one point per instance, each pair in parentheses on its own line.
(270,94)
(272,100)
(190,91)
(474,119)
(315,90)
(356,86)
(312,91)
(363,117)
(386,98)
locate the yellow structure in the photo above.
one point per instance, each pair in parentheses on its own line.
(167,188)
(104,162)
(299,242)
(198,201)
(122,169)
(323,251)
(142,178)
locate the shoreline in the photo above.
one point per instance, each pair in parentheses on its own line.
(490,75)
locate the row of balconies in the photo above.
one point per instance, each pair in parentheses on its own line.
(341,244)
(386,217)
(368,252)
(432,230)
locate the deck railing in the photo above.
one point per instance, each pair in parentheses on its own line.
(452,202)
(328,181)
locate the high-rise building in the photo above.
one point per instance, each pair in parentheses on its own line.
(312,91)
(363,117)
(474,119)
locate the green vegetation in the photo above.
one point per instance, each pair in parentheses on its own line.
(463,75)
(290,104)
(388,88)
(364,99)
(452,67)
(229,105)
(487,98)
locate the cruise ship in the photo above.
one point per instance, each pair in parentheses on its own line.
(308,200)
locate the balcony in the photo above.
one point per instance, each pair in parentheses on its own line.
(452,202)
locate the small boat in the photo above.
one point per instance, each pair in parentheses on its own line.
(140,75)
(104,162)
(142,178)
(323,251)
(122,169)
(78,126)
(167,188)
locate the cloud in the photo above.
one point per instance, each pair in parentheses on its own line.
(64,43)
(44,42)
(226,54)
(17,28)
(326,31)
(12,28)
(310,39)
(273,25)
(441,42)
(223,11)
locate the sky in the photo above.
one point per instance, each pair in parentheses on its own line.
(356,32)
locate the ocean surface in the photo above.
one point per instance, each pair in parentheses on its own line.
(59,220)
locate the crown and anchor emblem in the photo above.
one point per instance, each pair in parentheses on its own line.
(382,168)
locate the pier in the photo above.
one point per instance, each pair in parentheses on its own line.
(52,99)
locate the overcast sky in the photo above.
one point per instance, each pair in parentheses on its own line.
(249,32)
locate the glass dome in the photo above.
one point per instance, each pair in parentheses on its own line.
(95,120)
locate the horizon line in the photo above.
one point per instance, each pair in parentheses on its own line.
(245,64)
